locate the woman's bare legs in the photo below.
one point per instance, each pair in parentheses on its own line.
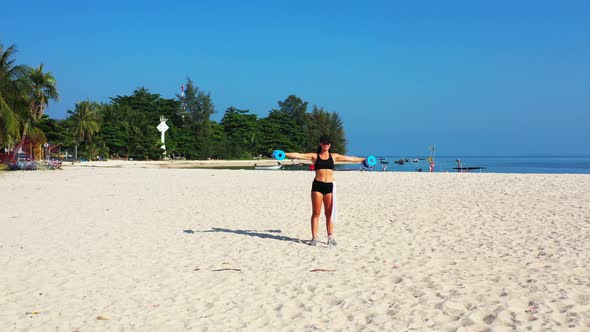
(328,203)
(316,204)
(328,213)
(316,209)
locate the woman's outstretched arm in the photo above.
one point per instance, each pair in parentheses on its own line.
(339,157)
(295,155)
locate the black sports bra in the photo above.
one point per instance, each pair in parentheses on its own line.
(323,164)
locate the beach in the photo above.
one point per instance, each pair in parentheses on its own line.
(145,247)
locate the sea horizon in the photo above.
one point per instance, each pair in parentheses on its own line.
(565,164)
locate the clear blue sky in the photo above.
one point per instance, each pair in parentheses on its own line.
(471,77)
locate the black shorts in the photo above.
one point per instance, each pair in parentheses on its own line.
(323,188)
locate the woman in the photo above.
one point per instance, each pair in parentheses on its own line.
(322,186)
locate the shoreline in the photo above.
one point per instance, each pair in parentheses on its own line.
(182,163)
(190,163)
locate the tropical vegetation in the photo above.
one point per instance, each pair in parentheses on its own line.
(125,126)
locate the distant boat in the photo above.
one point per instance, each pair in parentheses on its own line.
(271,167)
(464,169)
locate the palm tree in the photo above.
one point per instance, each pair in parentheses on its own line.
(43,89)
(85,121)
(13,96)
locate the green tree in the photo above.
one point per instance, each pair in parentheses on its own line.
(336,132)
(277,131)
(44,89)
(217,141)
(85,120)
(322,122)
(56,131)
(318,126)
(197,107)
(113,134)
(14,88)
(241,132)
(93,150)
(139,121)
(296,108)
(24,94)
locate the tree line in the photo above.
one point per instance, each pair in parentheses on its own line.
(125,127)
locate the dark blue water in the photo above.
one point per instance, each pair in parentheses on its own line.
(555,165)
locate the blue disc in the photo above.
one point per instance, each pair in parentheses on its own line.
(371,161)
(278,154)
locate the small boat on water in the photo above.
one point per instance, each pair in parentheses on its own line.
(464,169)
(270,167)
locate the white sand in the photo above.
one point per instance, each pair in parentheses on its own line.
(154,249)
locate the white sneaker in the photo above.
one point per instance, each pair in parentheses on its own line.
(331,241)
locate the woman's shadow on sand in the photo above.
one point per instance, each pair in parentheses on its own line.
(266,234)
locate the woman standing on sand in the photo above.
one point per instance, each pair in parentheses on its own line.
(322,186)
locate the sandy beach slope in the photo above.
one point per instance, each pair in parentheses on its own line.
(145,249)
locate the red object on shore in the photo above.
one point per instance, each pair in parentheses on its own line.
(311,167)
(432,166)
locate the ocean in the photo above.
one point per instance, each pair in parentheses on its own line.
(488,164)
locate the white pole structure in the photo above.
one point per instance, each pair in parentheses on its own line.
(182,102)
(162,127)
(334,202)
